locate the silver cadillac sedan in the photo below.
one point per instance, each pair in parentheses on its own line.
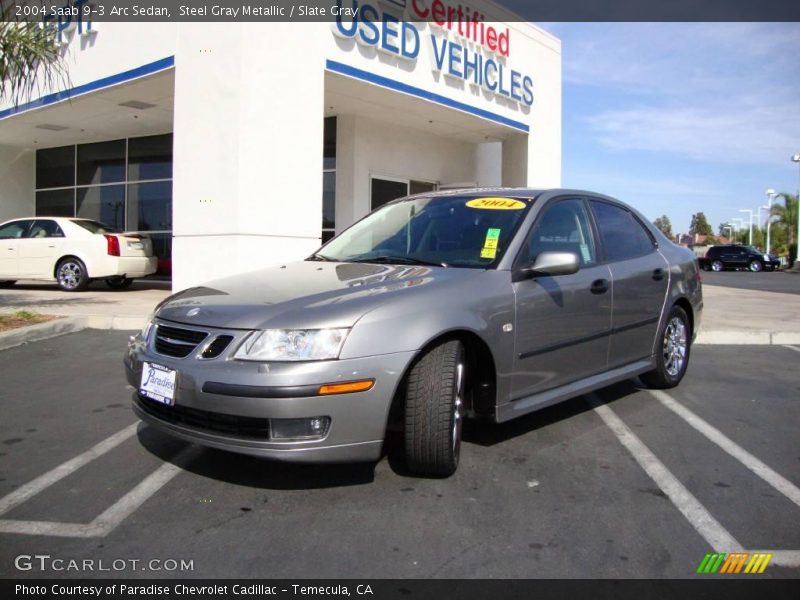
(486,303)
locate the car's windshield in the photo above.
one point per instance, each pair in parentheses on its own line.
(458,231)
(95,226)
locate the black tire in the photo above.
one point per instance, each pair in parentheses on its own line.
(119,283)
(71,275)
(669,370)
(717,266)
(434,410)
(755,266)
(7,283)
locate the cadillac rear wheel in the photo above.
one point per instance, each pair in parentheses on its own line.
(434,410)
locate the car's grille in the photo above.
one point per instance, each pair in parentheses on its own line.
(250,427)
(177,342)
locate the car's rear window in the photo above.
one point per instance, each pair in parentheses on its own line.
(95,226)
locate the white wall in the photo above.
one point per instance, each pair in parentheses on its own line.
(362,151)
(17,183)
(247,172)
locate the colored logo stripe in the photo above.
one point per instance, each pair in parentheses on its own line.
(734,563)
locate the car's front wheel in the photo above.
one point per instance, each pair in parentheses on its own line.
(755,266)
(672,351)
(434,410)
(7,283)
(717,266)
(119,283)
(71,275)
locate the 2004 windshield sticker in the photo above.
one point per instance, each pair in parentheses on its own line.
(496,204)
(489,249)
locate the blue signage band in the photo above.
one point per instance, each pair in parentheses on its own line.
(148,69)
(342,69)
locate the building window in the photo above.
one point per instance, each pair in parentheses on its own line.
(55,167)
(124,183)
(386,189)
(103,162)
(104,203)
(329,179)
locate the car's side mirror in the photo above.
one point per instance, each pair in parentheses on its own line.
(550,263)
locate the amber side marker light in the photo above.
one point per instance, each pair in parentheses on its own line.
(346,388)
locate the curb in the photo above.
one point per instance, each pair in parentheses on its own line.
(41,331)
(64,325)
(746,338)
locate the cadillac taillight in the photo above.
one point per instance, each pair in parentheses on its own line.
(113,245)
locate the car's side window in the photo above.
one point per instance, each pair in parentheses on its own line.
(14,230)
(44,228)
(622,235)
(563,227)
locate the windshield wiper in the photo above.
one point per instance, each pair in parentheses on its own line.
(403,260)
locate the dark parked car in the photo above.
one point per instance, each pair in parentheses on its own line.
(483,303)
(735,256)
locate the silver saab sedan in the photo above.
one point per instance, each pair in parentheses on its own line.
(436,307)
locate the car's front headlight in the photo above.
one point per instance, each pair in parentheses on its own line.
(292,344)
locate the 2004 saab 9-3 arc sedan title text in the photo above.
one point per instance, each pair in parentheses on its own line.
(481,303)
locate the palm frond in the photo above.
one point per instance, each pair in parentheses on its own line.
(31,62)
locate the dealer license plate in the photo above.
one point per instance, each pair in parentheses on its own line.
(158,383)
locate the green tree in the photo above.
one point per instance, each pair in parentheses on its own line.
(30,60)
(784,226)
(700,225)
(665,225)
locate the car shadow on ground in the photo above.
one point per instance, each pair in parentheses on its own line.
(254,472)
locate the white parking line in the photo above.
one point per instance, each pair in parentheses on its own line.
(780,483)
(106,522)
(697,515)
(795,348)
(43,482)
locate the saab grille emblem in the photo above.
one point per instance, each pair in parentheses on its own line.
(193,312)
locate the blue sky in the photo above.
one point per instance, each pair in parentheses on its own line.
(677,118)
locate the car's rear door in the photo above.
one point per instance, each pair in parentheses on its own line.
(562,322)
(640,278)
(40,248)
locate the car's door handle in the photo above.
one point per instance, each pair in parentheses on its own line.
(599,286)
(658,274)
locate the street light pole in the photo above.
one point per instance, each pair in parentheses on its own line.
(770,197)
(796,158)
(747,210)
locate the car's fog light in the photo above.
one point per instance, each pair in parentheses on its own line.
(299,429)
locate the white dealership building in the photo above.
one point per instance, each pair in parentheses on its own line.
(239,145)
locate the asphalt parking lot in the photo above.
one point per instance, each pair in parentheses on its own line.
(625,483)
(784,282)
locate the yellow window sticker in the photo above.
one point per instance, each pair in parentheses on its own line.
(489,249)
(496,203)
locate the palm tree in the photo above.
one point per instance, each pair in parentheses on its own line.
(785,221)
(30,60)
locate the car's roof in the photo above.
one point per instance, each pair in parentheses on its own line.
(516,192)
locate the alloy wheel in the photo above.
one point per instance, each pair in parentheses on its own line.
(675,346)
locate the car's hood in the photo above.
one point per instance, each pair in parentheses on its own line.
(304,294)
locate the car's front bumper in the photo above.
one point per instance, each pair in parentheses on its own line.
(357,420)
